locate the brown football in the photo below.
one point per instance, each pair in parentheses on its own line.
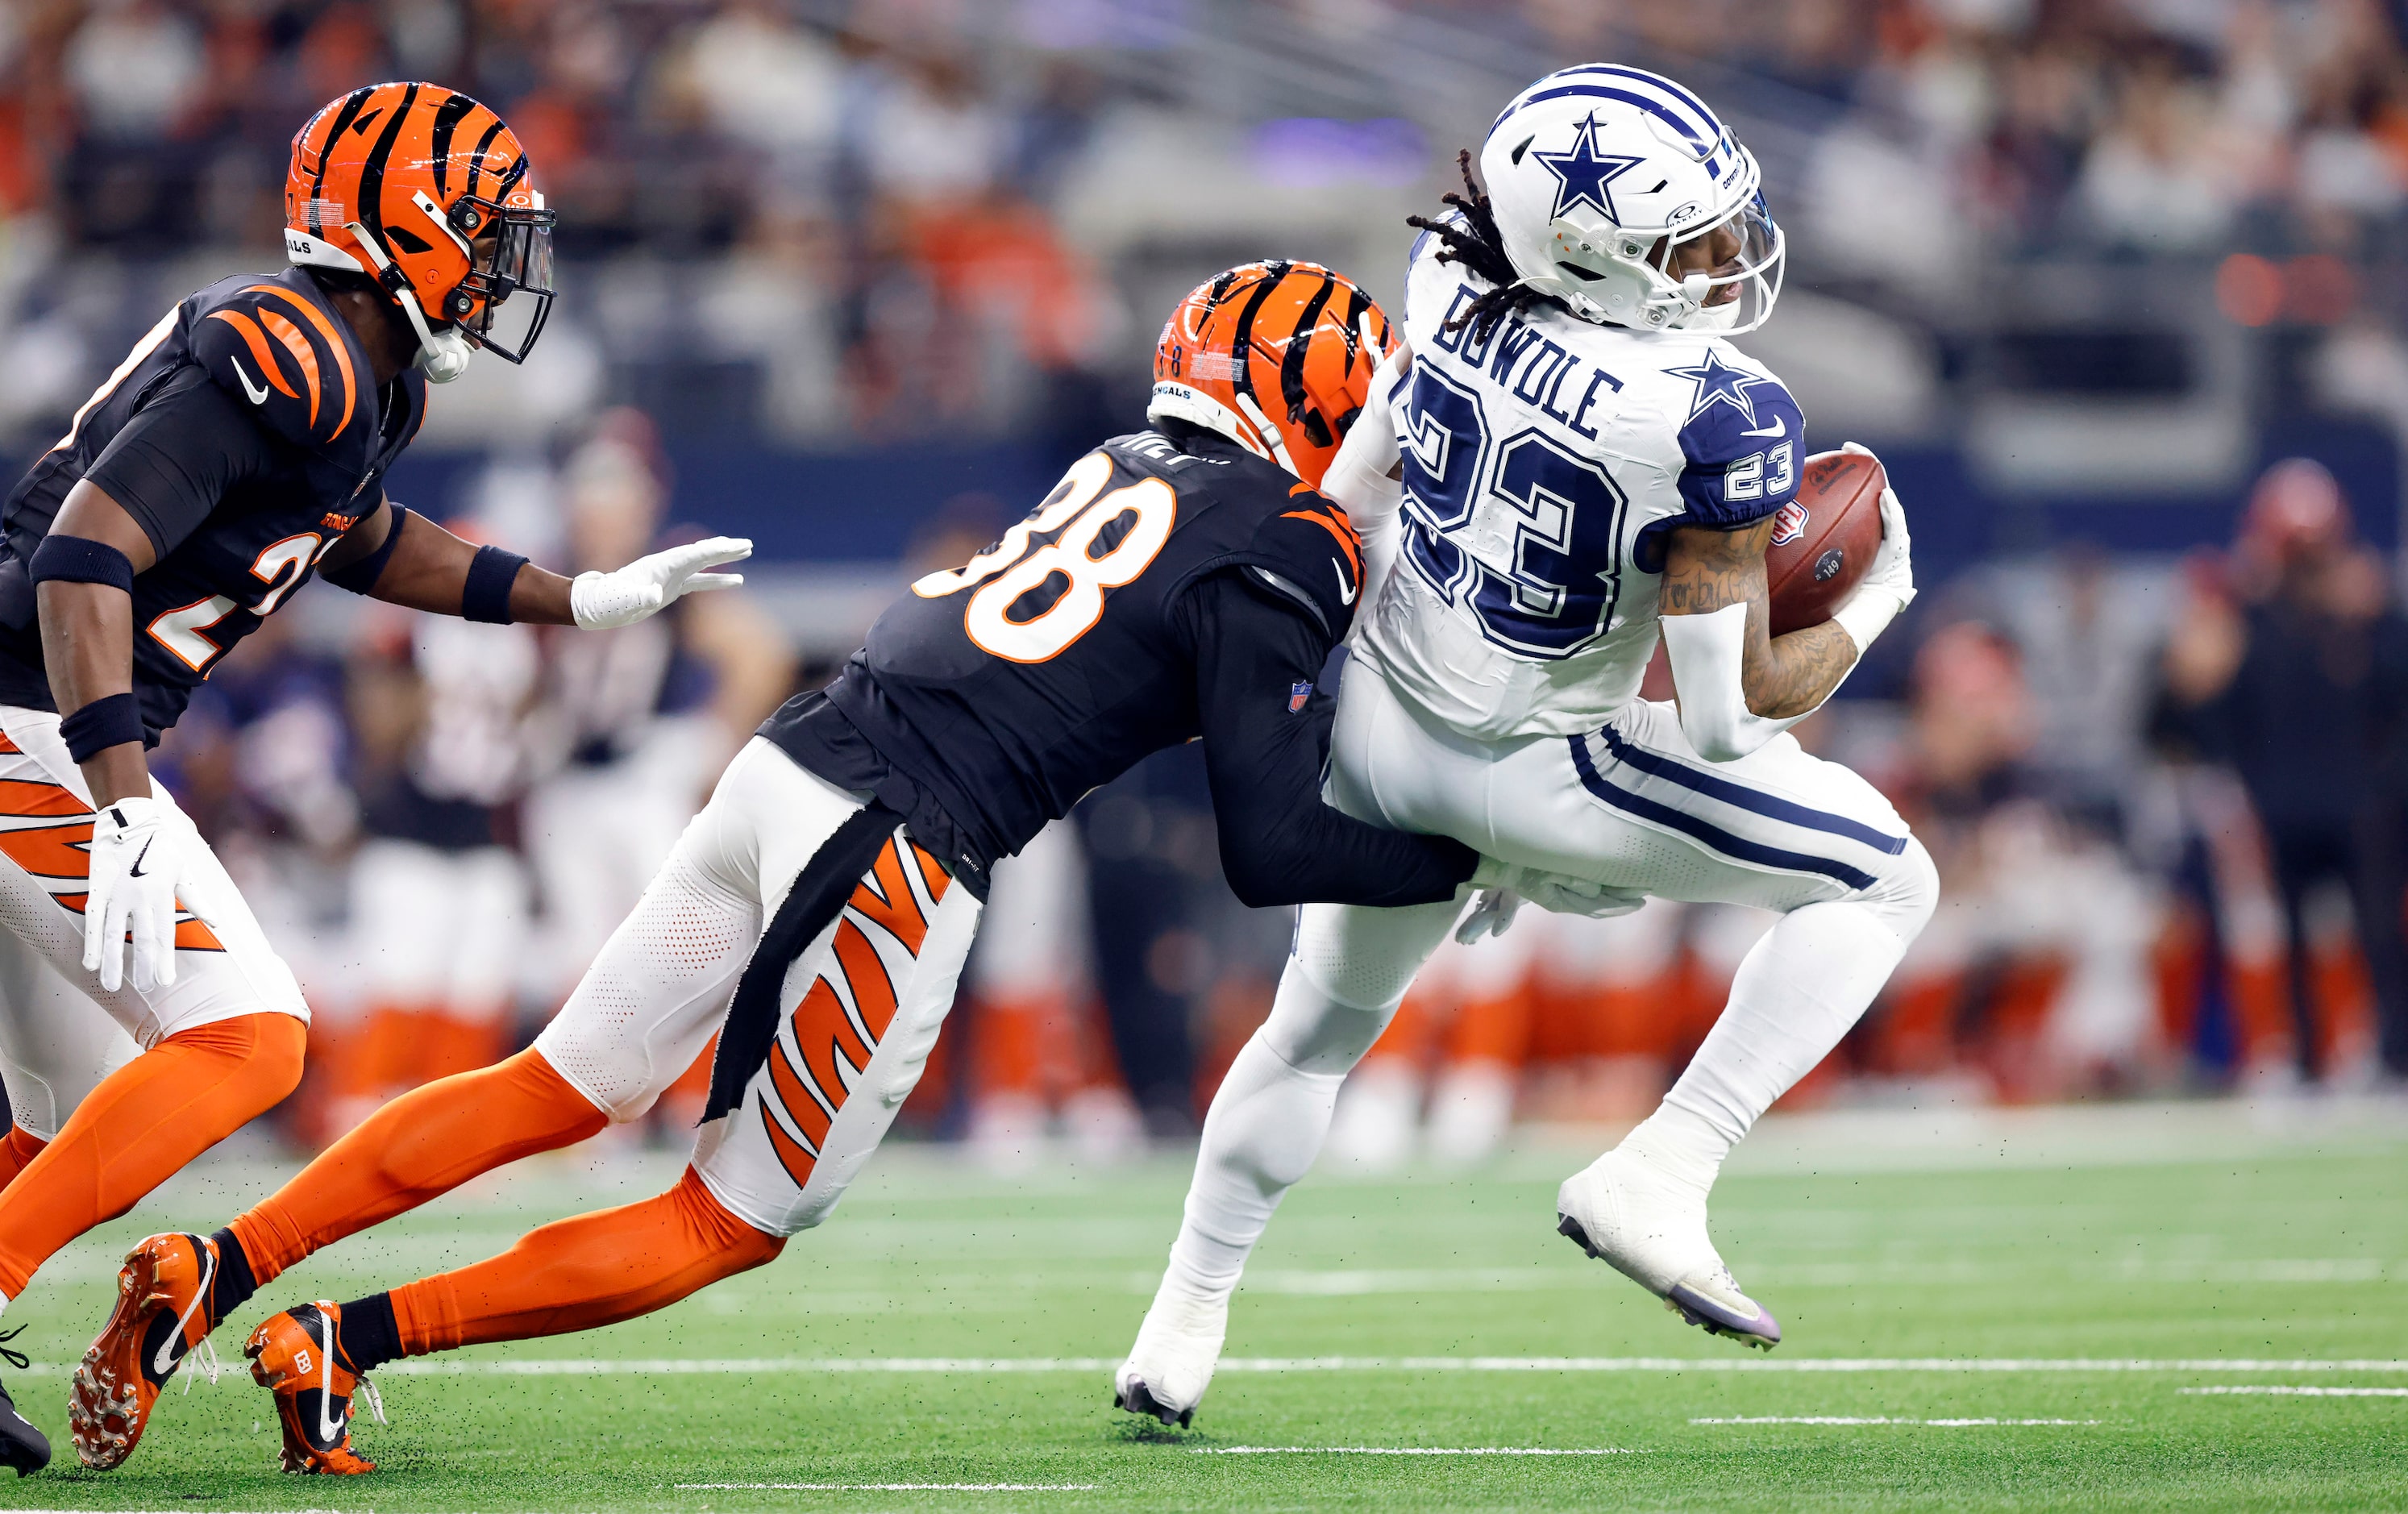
(1824,540)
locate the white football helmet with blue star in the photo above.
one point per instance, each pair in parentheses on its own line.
(1596,173)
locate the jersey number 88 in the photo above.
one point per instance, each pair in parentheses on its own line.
(1011,571)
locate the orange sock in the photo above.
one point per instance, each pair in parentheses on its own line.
(582,1273)
(139,1126)
(17,1148)
(426,1142)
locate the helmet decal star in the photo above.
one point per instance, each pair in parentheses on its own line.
(1720,383)
(1585,174)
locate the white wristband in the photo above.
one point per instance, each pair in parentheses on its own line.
(1868,613)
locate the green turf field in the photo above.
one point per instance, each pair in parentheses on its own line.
(2035,1311)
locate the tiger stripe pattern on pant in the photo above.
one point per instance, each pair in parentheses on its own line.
(46,830)
(829,1038)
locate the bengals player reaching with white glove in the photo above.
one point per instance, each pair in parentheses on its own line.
(1182,582)
(237,450)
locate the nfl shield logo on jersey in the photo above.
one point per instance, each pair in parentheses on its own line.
(1788,523)
(1296,695)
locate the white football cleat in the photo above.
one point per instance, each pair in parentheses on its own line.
(1177,1347)
(1650,1225)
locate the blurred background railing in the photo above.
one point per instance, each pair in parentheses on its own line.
(2115,286)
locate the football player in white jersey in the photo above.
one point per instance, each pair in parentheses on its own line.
(1572,462)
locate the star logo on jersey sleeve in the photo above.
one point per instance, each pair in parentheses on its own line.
(1583,174)
(1720,383)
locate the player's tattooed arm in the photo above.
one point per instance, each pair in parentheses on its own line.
(428,569)
(1707,570)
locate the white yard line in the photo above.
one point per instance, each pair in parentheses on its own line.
(579,1367)
(1875,1419)
(1415,1450)
(886,1487)
(2287,1391)
(980,1366)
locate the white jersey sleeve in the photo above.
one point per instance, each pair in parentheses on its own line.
(1545,461)
(1359,477)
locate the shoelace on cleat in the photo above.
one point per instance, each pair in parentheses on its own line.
(205,1354)
(15,1358)
(366,1392)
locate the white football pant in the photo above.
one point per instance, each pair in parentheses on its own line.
(56,1033)
(859,1011)
(1630,806)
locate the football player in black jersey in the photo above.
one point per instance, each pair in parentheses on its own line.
(1181,582)
(237,450)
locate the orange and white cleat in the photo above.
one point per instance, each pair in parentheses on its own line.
(161,1316)
(299,1355)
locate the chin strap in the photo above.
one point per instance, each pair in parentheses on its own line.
(1270,432)
(442,355)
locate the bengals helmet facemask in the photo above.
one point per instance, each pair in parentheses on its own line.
(425,190)
(1276,356)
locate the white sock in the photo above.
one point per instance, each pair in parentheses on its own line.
(1266,1126)
(1797,992)
(1272,1112)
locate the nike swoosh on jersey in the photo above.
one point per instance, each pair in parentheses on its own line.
(1345,590)
(1779,427)
(258,393)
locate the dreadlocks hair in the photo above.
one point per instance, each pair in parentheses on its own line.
(1480,247)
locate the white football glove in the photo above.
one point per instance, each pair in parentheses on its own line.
(138,857)
(1504,888)
(649,585)
(1889,584)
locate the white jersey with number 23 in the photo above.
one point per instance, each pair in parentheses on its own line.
(1546,460)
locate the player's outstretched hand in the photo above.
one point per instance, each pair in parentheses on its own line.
(1504,888)
(136,859)
(649,585)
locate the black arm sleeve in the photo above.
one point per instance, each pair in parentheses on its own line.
(174,460)
(1280,844)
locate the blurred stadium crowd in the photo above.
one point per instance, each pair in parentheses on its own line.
(2064,250)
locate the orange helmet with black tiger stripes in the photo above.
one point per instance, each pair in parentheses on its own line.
(425,190)
(1276,356)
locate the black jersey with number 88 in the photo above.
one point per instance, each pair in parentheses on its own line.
(1052,662)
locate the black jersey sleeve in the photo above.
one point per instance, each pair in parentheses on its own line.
(174,460)
(1257,654)
(283,358)
(1309,552)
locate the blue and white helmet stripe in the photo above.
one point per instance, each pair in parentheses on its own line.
(1659,97)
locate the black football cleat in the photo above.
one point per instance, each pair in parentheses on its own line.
(22,1446)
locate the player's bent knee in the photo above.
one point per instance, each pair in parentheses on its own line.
(268,1049)
(1315,1034)
(1907,893)
(739,1244)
